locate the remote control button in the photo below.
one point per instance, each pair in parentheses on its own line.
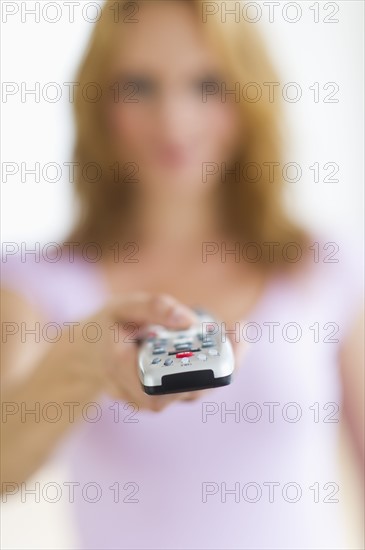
(190,350)
(184,354)
(181,347)
(168,362)
(156,360)
(202,357)
(160,343)
(156,344)
(213,352)
(185,361)
(158,351)
(207,344)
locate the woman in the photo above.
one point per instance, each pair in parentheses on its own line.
(174,190)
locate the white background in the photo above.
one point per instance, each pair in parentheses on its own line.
(42,132)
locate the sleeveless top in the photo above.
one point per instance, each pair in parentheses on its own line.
(252,465)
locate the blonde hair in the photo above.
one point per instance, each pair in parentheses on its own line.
(253,210)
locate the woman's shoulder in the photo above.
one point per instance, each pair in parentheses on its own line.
(332,274)
(27,264)
(53,280)
(336,259)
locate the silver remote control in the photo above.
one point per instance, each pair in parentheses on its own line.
(200,357)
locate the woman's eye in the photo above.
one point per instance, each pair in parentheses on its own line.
(143,87)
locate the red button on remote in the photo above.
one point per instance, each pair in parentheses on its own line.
(184,354)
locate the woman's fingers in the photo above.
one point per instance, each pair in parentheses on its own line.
(144,308)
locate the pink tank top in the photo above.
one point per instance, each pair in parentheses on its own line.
(253,465)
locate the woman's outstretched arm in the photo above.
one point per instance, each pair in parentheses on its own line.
(71,373)
(33,375)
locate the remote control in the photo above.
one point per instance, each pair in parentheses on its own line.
(200,357)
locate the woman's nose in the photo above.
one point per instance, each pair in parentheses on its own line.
(175,115)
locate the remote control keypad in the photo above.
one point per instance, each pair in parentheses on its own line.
(182,347)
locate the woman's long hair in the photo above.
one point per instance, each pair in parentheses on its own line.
(252,203)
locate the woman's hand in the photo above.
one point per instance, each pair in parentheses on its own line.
(76,370)
(115,355)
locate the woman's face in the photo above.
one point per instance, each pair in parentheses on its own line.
(159,119)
